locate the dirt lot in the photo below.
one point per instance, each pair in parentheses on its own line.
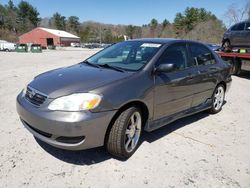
(199,151)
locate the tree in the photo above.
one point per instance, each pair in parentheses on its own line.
(165,23)
(58,21)
(2,16)
(73,24)
(153,26)
(209,31)
(236,14)
(15,20)
(44,22)
(130,31)
(26,12)
(137,32)
(190,18)
(11,5)
(108,37)
(84,33)
(12,17)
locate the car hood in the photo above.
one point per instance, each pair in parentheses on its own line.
(74,79)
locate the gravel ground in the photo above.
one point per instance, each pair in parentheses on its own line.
(198,151)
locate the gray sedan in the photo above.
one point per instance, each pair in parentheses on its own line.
(237,36)
(111,97)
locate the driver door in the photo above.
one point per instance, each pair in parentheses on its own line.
(174,90)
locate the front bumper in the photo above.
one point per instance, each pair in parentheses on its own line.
(66,130)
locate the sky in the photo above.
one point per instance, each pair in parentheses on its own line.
(136,12)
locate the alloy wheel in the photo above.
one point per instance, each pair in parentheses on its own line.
(133,132)
(219,98)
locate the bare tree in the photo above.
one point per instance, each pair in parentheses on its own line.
(236,14)
(209,31)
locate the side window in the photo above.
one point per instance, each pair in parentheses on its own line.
(175,54)
(234,28)
(201,55)
(238,27)
(241,27)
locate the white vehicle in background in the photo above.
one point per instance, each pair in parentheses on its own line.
(75,44)
(7,46)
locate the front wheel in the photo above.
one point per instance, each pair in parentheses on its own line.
(124,135)
(218,99)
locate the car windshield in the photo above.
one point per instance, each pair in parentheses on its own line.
(129,55)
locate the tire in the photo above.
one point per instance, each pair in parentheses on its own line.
(124,135)
(227,46)
(217,99)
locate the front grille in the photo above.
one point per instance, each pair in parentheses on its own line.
(34,96)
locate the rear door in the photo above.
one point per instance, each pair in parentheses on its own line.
(174,90)
(237,35)
(207,73)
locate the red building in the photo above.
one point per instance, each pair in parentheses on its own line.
(47,37)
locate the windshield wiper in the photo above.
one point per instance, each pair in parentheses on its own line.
(91,64)
(111,67)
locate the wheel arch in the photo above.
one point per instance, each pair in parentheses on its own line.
(139,104)
(222,83)
(225,39)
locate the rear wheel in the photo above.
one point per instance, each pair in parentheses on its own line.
(227,46)
(218,99)
(124,135)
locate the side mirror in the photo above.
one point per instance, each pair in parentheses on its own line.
(164,68)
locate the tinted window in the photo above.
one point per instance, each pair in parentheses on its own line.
(241,26)
(201,55)
(175,54)
(238,27)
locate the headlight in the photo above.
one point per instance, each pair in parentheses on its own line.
(76,102)
(24,91)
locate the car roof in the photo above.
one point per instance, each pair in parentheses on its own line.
(164,40)
(245,21)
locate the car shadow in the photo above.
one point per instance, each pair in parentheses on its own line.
(97,155)
(244,74)
(167,129)
(83,157)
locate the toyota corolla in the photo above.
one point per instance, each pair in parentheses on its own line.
(112,97)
